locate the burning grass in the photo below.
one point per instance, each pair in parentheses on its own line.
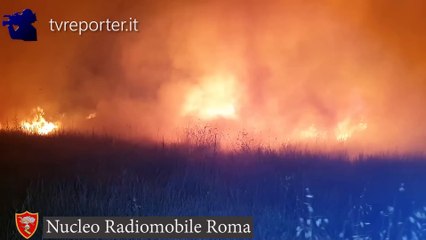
(38,124)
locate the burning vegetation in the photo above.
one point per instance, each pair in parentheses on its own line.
(38,124)
(214,106)
(280,71)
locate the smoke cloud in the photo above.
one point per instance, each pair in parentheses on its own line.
(278,70)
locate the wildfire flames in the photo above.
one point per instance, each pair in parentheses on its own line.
(39,125)
(341,133)
(265,73)
(215,102)
(214,98)
(345,130)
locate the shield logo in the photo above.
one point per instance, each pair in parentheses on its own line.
(26,223)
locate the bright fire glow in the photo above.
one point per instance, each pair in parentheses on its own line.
(39,125)
(311,133)
(345,130)
(213,98)
(91,116)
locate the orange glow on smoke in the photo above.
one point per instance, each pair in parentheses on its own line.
(311,133)
(39,125)
(267,73)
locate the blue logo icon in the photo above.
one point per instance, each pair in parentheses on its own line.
(20,25)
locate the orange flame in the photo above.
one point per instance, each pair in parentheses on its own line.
(345,130)
(39,125)
(213,98)
(91,116)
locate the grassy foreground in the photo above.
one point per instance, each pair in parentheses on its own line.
(291,194)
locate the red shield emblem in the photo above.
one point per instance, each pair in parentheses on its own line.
(26,223)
